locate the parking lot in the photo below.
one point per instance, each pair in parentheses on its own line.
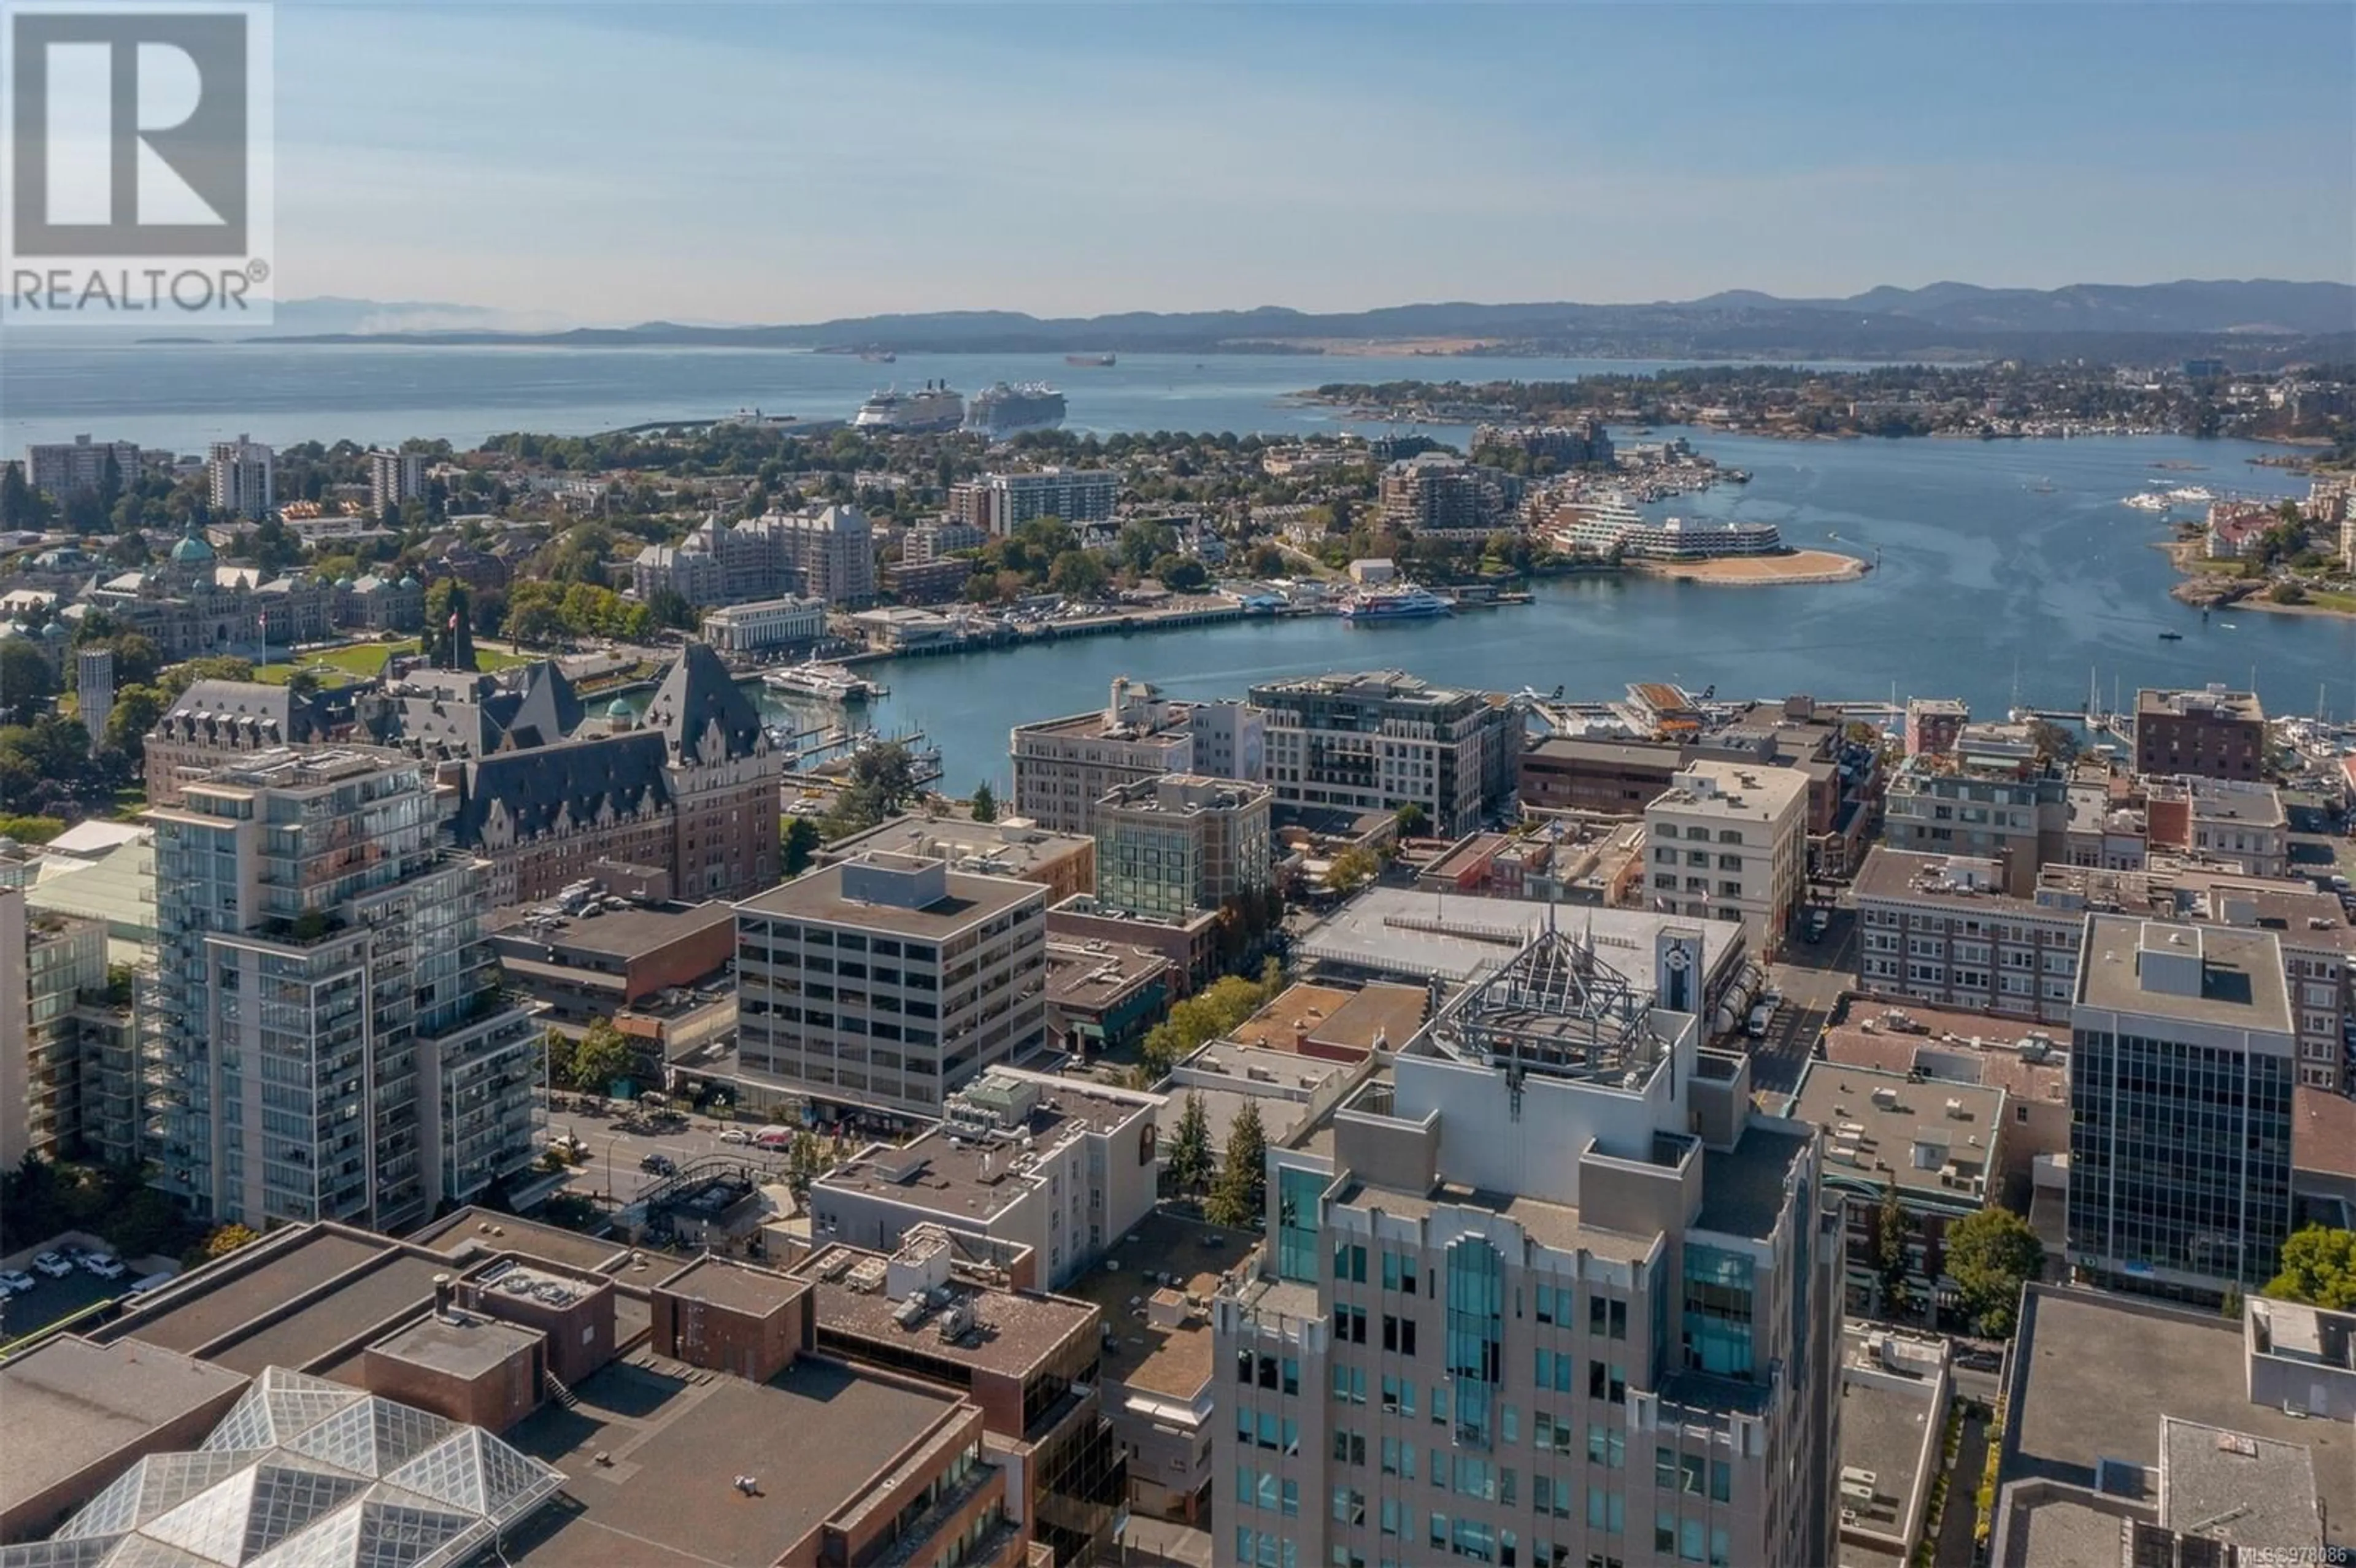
(612,1171)
(51,1300)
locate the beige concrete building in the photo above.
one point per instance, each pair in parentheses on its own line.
(1181,842)
(1063,766)
(1729,842)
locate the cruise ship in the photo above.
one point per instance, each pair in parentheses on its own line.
(1405,603)
(1092,361)
(894,412)
(828,682)
(1002,409)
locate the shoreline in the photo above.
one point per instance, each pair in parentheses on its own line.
(2192,583)
(1798,569)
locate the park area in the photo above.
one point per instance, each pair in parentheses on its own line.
(360,661)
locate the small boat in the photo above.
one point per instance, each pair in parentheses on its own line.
(1091,361)
(2171,636)
(2226,625)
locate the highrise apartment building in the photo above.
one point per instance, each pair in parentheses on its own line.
(327,1039)
(395,477)
(66,468)
(2181,1086)
(1552,1295)
(1063,766)
(997,503)
(1990,795)
(1437,493)
(1170,846)
(243,475)
(885,983)
(1380,740)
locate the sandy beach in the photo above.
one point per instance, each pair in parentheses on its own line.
(1749,571)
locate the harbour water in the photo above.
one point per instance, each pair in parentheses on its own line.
(1990,588)
(2008,570)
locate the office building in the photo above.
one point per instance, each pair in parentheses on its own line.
(243,476)
(766,627)
(1063,766)
(1169,846)
(94,689)
(1617,778)
(65,468)
(2213,732)
(1940,929)
(327,1037)
(1553,1293)
(2227,822)
(2181,1068)
(1230,740)
(395,477)
(1056,1166)
(1729,842)
(1380,740)
(997,503)
(885,983)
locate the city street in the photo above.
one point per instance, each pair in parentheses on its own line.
(612,1168)
(1812,978)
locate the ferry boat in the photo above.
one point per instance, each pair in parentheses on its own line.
(1002,409)
(1092,361)
(894,412)
(1406,603)
(828,682)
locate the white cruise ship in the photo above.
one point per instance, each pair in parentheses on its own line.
(934,407)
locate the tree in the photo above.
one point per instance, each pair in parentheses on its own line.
(21,506)
(27,682)
(602,1055)
(800,846)
(1352,868)
(1240,1195)
(2052,741)
(1078,574)
(1890,1230)
(224,1239)
(1190,1146)
(1413,821)
(882,779)
(985,802)
(1181,574)
(2318,1267)
(558,1047)
(1990,1255)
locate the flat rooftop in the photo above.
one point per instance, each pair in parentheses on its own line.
(464,1346)
(617,933)
(1666,756)
(2199,704)
(70,1403)
(1014,1331)
(2257,1492)
(1737,792)
(1378,1015)
(1743,1188)
(187,1319)
(504,1232)
(972,1179)
(401,1283)
(739,1288)
(2084,1390)
(1415,934)
(2242,985)
(1555,1225)
(1881,1430)
(1961,1120)
(1174,1361)
(2323,1132)
(817,896)
(812,1437)
(1081,978)
(1946,1050)
(1022,849)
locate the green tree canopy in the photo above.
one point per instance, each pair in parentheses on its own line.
(2318,1267)
(985,802)
(1239,1196)
(801,845)
(1190,1146)
(1351,869)
(1990,1255)
(601,1054)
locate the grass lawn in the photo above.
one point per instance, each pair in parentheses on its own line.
(2343,602)
(360,661)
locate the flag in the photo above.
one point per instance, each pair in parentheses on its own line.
(453,620)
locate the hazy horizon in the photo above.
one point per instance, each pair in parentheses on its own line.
(609,164)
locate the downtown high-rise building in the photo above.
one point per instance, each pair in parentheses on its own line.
(243,476)
(326,1034)
(1551,1295)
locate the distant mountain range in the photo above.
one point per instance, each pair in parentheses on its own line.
(2249,320)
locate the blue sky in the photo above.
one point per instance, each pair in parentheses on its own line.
(768,162)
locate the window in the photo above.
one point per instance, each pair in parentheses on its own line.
(1398,1273)
(1399,1458)
(1349,1385)
(1721,1481)
(1350,1325)
(1349,1506)
(1607,1381)
(1607,1317)
(1607,1448)
(1349,1447)
(1399,1334)
(1398,1396)
(1349,1263)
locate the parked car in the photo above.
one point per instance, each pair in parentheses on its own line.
(659,1164)
(15,1281)
(1980,1360)
(56,1265)
(734,1136)
(1755,1026)
(103,1266)
(153,1282)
